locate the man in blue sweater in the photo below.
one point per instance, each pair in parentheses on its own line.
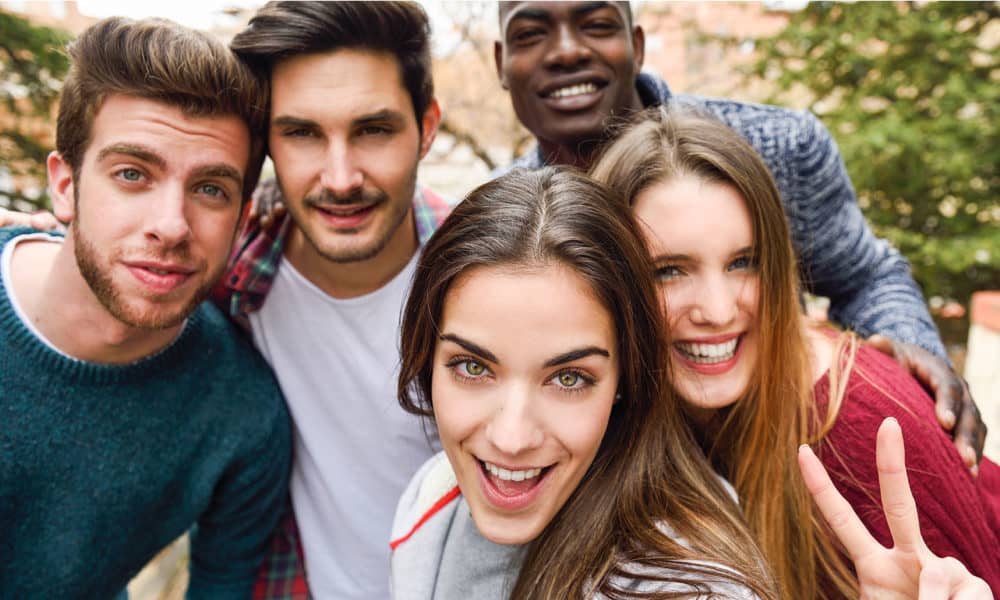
(131,410)
(573,68)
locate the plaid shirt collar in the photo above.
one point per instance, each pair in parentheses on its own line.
(258,251)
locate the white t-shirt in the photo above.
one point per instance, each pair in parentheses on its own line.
(355,447)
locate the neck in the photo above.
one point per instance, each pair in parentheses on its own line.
(582,153)
(60,304)
(357,278)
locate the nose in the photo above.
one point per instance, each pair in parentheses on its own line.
(514,427)
(715,304)
(341,173)
(567,49)
(167,219)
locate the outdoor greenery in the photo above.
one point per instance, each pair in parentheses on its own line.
(911,92)
(32,65)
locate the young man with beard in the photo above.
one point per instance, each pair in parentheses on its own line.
(321,288)
(131,410)
(572,69)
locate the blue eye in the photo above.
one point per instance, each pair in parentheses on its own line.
(130,175)
(743,263)
(667,272)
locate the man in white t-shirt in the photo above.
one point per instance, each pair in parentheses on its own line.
(321,289)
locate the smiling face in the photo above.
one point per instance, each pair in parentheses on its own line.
(345,144)
(154,207)
(524,378)
(701,239)
(569,66)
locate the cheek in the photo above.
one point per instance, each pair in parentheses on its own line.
(749,297)
(582,429)
(456,412)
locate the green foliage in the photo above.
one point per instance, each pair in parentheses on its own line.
(32,63)
(911,92)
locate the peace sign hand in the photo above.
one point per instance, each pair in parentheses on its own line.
(908,569)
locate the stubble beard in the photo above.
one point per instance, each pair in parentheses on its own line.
(111,298)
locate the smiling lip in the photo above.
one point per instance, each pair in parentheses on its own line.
(511,496)
(159,278)
(710,368)
(584,94)
(345,217)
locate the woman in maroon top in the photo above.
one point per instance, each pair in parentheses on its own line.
(758,380)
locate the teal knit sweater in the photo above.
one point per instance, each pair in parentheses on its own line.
(102,466)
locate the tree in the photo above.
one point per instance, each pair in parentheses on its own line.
(32,65)
(911,92)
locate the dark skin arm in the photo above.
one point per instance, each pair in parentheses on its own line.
(954,406)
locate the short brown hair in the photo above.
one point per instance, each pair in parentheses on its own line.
(281,30)
(158,60)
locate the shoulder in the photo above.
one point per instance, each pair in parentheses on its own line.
(235,375)
(429,499)
(774,131)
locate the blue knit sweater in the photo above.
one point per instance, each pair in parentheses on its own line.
(102,466)
(868,282)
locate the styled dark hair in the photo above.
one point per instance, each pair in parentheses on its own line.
(754,442)
(648,469)
(158,60)
(283,29)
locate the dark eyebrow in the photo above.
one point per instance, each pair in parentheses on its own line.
(293,121)
(576,355)
(471,347)
(220,170)
(588,7)
(671,258)
(385,115)
(141,152)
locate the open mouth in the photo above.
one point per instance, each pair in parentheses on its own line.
(709,354)
(509,487)
(570,91)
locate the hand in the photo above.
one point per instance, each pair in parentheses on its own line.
(953,403)
(908,569)
(267,208)
(42,220)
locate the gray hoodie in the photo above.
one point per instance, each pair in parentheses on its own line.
(438,554)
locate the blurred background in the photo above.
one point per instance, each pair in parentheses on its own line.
(910,91)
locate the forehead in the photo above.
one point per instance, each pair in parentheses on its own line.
(690,212)
(558,11)
(183,141)
(338,83)
(529,312)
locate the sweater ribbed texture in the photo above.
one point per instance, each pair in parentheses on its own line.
(101,466)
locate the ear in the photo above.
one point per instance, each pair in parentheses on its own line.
(498,61)
(61,187)
(638,47)
(430,122)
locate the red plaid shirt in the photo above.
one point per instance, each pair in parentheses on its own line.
(253,265)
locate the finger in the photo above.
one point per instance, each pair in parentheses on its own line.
(963,585)
(837,512)
(45,221)
(897,500)
(933,584)
(882,344)
(970,433)
(13,218)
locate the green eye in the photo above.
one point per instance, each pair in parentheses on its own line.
(569,379)
(473,368)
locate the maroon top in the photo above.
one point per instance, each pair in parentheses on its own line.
(959,514)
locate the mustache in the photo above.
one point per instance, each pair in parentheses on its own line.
(356,197)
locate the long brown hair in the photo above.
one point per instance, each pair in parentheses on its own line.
(754,441)
(648,470)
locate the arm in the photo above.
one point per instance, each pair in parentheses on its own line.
(868,282)
(231,538)
(907,569)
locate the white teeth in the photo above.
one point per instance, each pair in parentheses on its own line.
(507,475)
(708,353)
(574,90)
